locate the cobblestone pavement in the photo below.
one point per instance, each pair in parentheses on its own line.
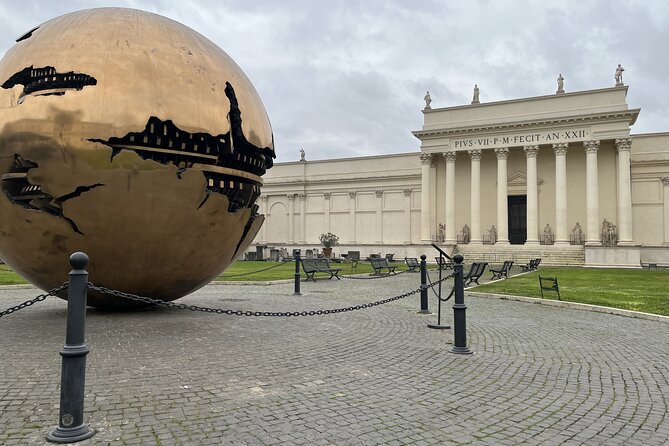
(540,375)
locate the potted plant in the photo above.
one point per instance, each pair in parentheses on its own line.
(328,241)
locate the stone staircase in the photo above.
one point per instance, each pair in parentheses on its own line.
(555,255)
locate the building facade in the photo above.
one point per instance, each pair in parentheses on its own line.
(559,176)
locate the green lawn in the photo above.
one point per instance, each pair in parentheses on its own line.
(9,277)
(286,270)
(629,289)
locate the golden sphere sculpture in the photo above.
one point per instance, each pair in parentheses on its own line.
(134,139)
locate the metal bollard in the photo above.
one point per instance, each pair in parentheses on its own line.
(459,311)
(296,257)
(71,427)
(423,286)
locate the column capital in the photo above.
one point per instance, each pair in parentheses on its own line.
(560,149)
(407,192)
(531,151)
(291,197)
(665,181)
(475,154)
(379,193)
(591,146)
(449,156)
(426,158)
(302,197)
(502,153)
(264,198)
(326,195)
(352,194)
(624,144)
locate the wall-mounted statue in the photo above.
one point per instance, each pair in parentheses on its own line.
(466,234)
(548,235)
(577,234)
(609,233)
(441,233)
(493,234)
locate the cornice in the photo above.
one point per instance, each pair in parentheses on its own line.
(531,99)
(623,115)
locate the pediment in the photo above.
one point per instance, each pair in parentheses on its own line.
(519,179)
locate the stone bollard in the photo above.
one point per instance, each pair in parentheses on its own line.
(71,427)
(459,311)
(423,286)
(296,258)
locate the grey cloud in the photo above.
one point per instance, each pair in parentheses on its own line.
(347,78)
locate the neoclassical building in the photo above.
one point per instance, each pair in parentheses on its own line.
(557,176)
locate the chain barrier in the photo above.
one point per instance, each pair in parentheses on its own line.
(259,271)
(181,306)
(429,279)
(31,302)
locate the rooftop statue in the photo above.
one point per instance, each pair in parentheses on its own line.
(428,100)
(619,76)
(475,98)
(560,82)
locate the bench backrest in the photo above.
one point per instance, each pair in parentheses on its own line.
(411,262)
(472,269)
(480,269)
(378,263)
(310,265)
(441,261)
(507,265)
(536,263)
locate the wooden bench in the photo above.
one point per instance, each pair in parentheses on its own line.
(475,272)
(549,284)
(313,266)
(503,271)
(413,264)
(444,263)
(382,264)
(531,265)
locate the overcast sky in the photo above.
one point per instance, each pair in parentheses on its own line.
(346,78)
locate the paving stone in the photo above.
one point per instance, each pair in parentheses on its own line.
(539,375)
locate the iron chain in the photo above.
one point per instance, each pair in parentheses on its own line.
(31,302)
(180,306)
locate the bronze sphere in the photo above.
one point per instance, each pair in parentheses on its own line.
(134,139)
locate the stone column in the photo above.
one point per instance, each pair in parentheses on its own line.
(561,231)
(592,193)
(407,216)
(450,237)
(665,182)
(264,211)
(502,201)
(379,217)
(433,196)
(531,153)
(475,207)
(326,205)
(291,218)
(425,199)
(625,234)
(303,218)
(351,217)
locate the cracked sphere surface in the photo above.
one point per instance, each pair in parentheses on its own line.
(133,138)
